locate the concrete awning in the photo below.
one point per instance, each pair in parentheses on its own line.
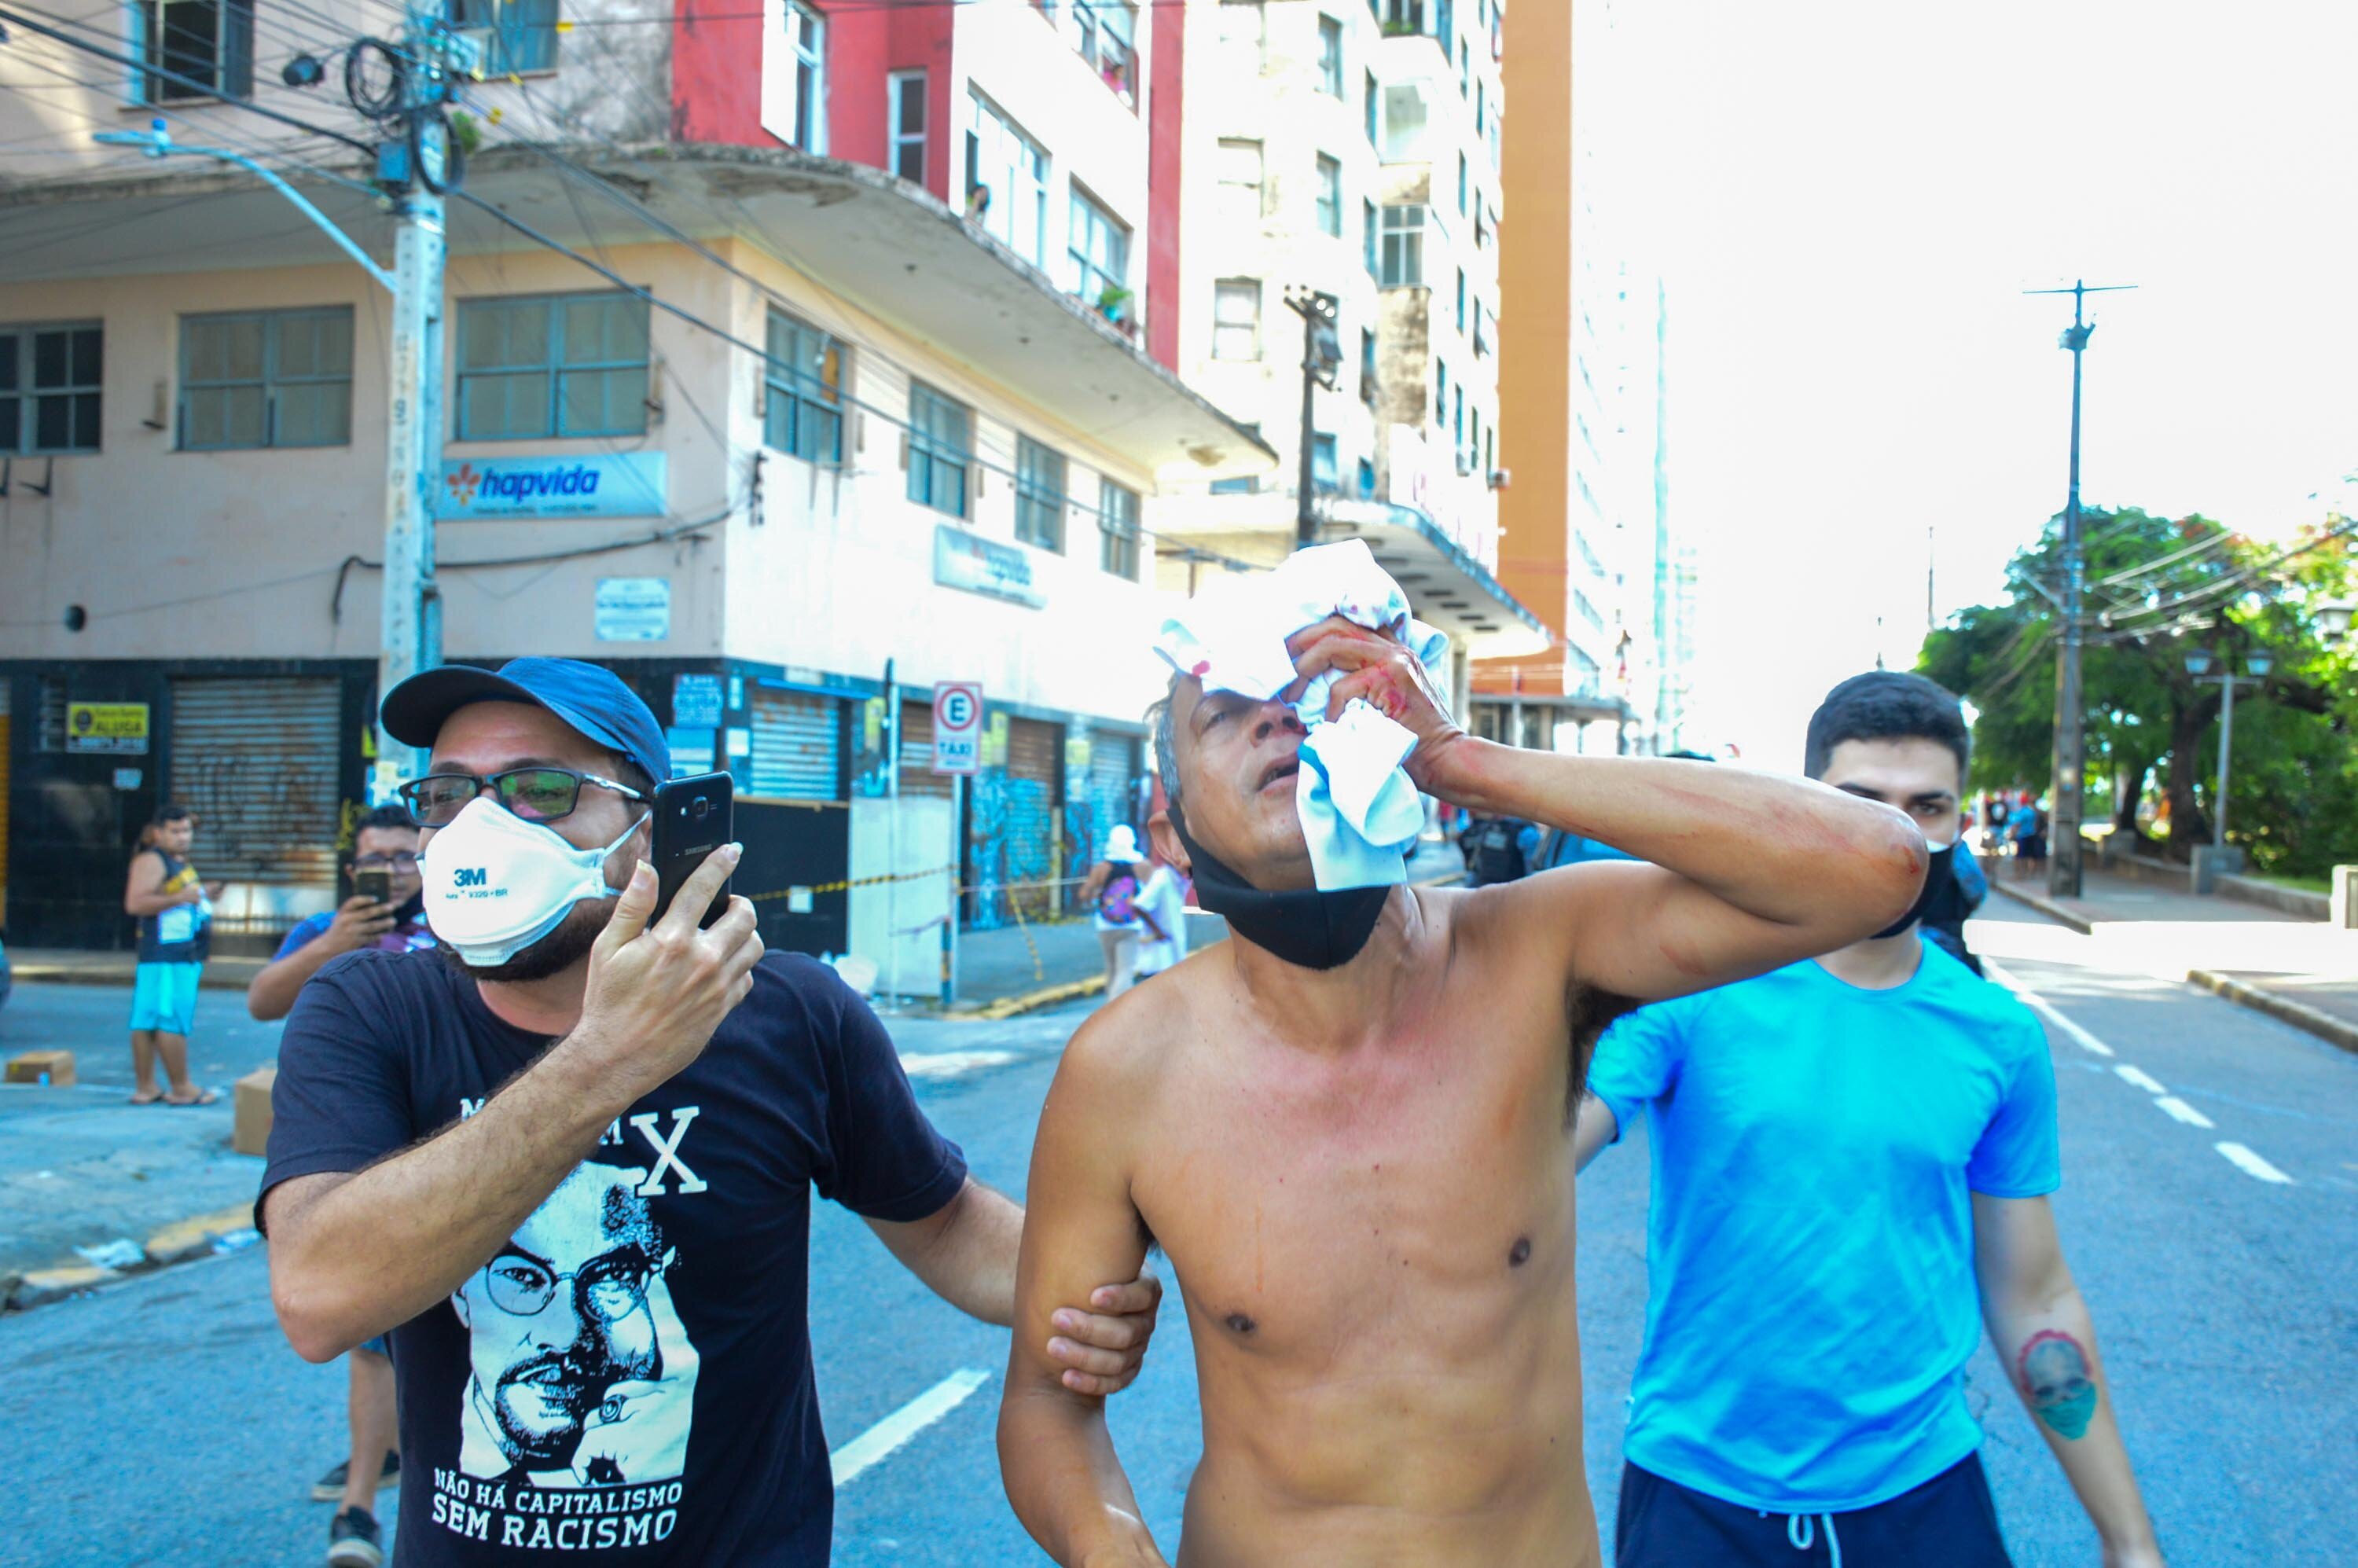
(881,244)
(1447,587)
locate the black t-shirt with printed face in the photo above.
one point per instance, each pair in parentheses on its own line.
(629,1381)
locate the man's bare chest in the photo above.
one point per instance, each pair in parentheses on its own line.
(1376,1200)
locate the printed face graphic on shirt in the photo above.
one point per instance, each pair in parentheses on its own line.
(583,1374)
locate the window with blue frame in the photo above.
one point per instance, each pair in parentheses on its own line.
(1039,480)
(1118,529)
(1326,476)
(1247,485)
(516,36)
(547,365)
(1330,56)
(941,445)
(268,378)
(1367,477)
(49,387)
(1330,196)
(804,384)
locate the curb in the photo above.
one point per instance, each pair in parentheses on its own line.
(2324,1025)
(2048,907)
(212,980)
(1028,1002)
(199,1235)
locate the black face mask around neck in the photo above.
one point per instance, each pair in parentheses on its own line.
(1937,876)
(1316,930)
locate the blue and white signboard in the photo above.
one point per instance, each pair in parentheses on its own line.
(596,485)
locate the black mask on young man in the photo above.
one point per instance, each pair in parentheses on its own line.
(1316,930)
(1937,874)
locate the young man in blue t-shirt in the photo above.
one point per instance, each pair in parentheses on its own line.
(1849,1155)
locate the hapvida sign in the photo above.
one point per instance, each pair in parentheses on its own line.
(605,484)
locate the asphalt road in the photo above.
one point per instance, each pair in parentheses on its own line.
(164,1422)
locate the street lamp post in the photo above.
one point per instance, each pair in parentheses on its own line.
(2257,666)
(2071,716)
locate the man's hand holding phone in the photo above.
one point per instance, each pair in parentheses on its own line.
(656,991)
(360,920)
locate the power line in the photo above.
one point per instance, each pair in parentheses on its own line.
(17,18)
(843,399)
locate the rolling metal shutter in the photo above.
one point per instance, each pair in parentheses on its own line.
(797,746)
(255,759)
(4,800)
(1028,811)
(917,775)
(1112,793)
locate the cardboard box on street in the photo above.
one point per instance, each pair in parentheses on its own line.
(54,1069)
(250,1131)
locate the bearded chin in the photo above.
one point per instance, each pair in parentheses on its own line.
(553,954)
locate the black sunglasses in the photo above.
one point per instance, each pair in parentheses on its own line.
(538,794)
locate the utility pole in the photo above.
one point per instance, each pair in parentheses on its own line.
(2070,710)
(1322,359)
(416,163)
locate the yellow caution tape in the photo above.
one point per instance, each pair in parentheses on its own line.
(816,888)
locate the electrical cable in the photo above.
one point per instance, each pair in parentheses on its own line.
(30,25)
(844,399)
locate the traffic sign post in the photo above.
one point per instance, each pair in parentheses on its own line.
(957,727)
(958,751)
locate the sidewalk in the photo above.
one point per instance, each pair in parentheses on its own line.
(63,966)
(2302,971)
(1015,964)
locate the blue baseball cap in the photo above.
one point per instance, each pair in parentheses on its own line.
(590,698)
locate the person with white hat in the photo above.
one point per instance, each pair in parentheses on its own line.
(1111,890)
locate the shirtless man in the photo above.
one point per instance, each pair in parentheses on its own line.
(1362,1173)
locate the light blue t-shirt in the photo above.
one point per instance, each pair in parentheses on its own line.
(1809,1249)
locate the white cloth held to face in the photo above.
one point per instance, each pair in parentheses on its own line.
(1360,812)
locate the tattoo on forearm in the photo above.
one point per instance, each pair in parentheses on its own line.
(2055,1378)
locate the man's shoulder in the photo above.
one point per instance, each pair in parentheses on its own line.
(371,978)
(307,931)
(1994,1013)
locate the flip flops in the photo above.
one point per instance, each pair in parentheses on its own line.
(204,1096)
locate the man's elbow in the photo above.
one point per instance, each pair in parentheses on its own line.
(262,999)
(305,1317)
(1893,858)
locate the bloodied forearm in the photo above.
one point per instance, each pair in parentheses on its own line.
(2040,1326)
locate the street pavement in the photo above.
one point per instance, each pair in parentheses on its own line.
(163,1420)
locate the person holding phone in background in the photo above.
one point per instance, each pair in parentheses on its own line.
(567,1160)
(387,912)
(174,907)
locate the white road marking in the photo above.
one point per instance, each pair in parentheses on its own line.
(878,1443)
(2183,1111)
(951,1063)
(2141,1078)
(2251,1164)
(2046,1010)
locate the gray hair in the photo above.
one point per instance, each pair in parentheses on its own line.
(1165,729)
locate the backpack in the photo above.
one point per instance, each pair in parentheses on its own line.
(1498,852)
(1118,900)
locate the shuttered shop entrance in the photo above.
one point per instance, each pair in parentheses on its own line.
(1111,800)
(917,775)
(4,800)
(797,746)
(255,759)
(1026,824)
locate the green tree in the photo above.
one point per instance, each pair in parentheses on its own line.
(2156,588)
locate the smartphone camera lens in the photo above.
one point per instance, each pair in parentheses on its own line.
(701,809)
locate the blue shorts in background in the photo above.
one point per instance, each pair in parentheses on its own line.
(164,997)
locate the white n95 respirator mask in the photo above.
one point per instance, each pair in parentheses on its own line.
(495,883)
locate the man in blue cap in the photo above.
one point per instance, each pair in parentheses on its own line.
(567,1163)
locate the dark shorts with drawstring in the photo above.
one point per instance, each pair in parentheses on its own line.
(1947,1522)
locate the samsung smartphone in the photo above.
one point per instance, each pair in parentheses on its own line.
(373,883)
(694,817)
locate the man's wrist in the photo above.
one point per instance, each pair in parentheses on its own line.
(590,1074)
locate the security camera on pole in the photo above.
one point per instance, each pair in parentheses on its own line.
(1322,359)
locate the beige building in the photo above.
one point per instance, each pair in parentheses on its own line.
(1350,150)
(825,426)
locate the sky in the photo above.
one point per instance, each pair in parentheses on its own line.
(1846,201)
